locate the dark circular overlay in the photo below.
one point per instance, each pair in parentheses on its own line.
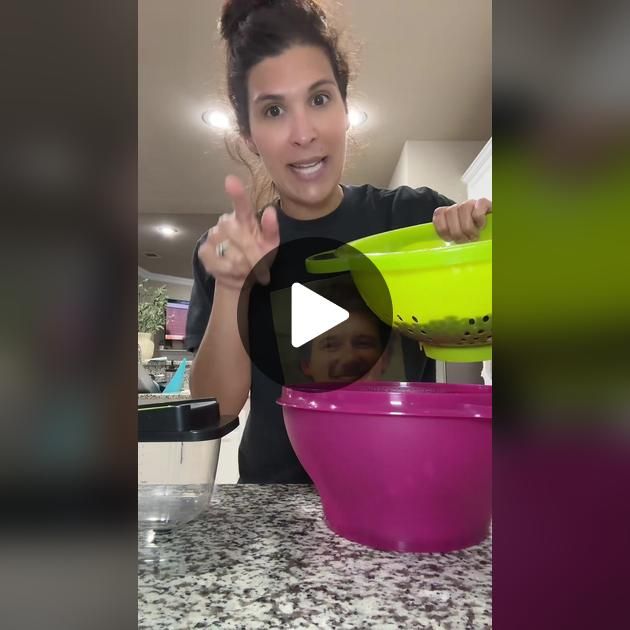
(358,348)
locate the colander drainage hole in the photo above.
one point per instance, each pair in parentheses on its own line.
(399,317)
(480,331)
(415,319)
(486,318)
(471,322)
(467,333)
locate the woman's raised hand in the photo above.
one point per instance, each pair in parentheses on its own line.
(238,243)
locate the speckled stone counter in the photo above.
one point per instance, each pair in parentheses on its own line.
(262,557)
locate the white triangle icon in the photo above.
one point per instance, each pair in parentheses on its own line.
(312,315)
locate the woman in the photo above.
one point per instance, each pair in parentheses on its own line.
(288,84)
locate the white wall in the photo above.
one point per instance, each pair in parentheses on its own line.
(438,164)
(400,177)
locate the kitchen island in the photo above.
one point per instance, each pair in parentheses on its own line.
(263,557)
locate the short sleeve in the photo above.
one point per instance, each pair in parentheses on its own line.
(201,298)
(414,206)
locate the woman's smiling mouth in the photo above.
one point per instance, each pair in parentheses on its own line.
(308,169)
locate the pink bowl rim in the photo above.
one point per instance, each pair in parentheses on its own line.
(392,386)
(420,399)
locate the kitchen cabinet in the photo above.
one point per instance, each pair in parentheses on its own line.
(478,176)
(227,468)
(478,180)
(263,557)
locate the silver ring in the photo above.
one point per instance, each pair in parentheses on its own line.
(222,248)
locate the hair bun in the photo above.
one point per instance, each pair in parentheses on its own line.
(235,12)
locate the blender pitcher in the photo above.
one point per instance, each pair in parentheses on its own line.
(178,452)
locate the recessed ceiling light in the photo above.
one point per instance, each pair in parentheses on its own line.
(356,118)
(167,230)
(216,118)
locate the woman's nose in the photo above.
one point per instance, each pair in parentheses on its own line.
(303,130)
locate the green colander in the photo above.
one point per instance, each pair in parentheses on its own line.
(440,293)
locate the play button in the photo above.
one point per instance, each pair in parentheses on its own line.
(313,326)
(312,315)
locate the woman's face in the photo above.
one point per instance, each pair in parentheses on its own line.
(298,124)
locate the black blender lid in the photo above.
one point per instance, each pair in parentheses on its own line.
(190,420)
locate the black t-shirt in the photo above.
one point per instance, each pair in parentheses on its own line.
(265,453)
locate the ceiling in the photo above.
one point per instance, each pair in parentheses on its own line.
(424,73)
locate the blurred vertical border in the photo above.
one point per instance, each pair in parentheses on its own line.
(68,160)
(561,289)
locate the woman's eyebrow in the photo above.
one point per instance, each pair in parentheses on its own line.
(321,83)
(279,97)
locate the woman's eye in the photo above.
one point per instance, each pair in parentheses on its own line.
(273,112)
(320,99)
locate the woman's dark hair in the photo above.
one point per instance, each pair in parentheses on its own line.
(256,29)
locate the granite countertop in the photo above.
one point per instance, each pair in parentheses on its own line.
(262,557)
(161,398)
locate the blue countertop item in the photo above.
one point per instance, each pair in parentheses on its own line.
(176,384)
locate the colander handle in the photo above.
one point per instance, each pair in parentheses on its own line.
(327,262)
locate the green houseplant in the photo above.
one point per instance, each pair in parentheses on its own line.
(151,317)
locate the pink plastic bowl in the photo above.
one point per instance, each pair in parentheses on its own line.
(398,466)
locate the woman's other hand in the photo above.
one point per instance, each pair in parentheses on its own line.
(462,222)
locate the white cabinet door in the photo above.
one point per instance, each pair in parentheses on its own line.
(478,176)
(478,180)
